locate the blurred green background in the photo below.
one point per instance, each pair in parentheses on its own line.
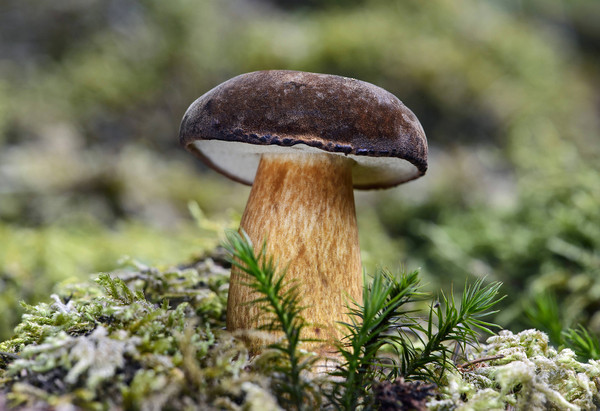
(92,93)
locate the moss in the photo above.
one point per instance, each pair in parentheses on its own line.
(141,338)
(136,338)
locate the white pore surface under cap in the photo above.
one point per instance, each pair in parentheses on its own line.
(240,161)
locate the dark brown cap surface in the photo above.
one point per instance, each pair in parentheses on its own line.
(268,111)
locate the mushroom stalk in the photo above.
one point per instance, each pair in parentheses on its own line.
(303,206)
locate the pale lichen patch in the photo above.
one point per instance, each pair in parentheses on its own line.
(530,375)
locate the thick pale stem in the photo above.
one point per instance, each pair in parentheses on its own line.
(303,205)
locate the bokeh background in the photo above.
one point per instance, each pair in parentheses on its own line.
(92,93)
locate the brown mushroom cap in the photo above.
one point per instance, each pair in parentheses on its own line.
(233,124)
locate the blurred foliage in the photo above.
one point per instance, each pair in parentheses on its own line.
(546,241)
(33,261)
(92,92)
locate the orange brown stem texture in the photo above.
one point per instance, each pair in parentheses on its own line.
(303,206)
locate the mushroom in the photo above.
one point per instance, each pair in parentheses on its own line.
(303,141)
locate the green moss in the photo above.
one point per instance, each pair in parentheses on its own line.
(142,338)
(134,338)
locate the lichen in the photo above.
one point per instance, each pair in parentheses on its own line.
(524,372)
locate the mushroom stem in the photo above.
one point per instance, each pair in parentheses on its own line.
(303,206)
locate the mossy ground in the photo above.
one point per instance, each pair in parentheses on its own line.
(140,338)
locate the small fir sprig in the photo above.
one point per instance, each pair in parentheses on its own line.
(585,345)
(542,313)
(382,309)
(421,351)
(448,326)
(281,304)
